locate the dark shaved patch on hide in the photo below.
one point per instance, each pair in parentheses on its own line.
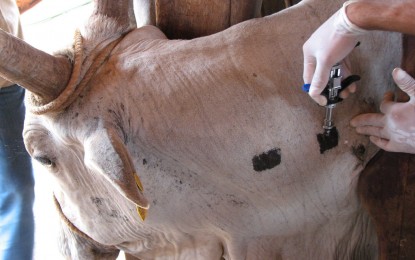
(359,151)
(114,214)
(328,141)
(267,160)
(74,116)
(235,201)
(105,211)
(97,201)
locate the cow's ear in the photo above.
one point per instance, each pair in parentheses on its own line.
(106,153)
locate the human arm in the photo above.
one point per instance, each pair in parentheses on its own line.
(336,38)
(328,45)
(394,16)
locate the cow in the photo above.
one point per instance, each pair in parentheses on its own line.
(199,149)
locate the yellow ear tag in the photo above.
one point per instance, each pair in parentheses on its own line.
(142,213)
(138,182)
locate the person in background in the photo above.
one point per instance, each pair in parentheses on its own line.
(394,128)
(16,175)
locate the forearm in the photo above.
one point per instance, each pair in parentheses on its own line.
(386,16)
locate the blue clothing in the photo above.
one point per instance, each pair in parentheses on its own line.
(16,180)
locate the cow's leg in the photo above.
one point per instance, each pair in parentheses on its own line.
(144,11)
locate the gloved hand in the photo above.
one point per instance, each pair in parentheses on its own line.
(394,130)
(328,45)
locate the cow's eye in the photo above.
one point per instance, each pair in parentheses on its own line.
(45,161)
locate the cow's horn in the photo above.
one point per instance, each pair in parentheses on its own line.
(122,11)
(40,73)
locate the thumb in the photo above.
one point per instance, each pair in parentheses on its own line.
(404,81)
(318,83)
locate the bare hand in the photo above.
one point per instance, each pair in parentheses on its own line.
(394,128)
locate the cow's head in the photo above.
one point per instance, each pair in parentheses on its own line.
(91,147)
(73,150)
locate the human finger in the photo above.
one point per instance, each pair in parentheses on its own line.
(349,90)
(387,102)
(319,81)
(371,131)
(381,143)
(369,119)
(404,81)
(345,73)
(309,68)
